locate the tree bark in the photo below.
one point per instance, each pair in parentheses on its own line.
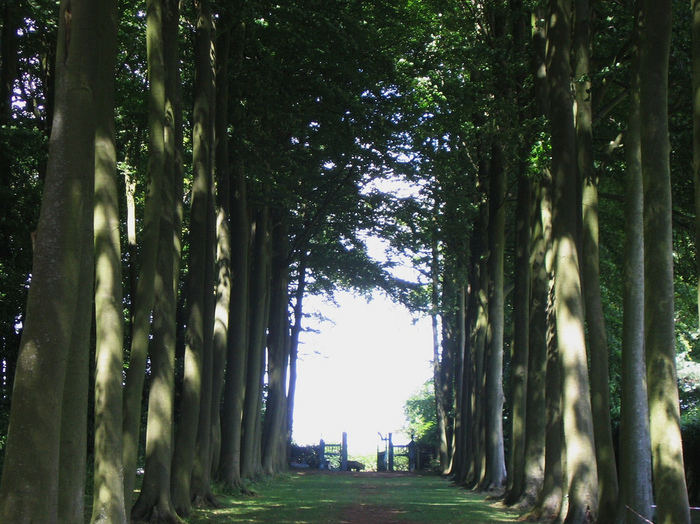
(581,470)
(145,296)
(635,447)
(201,472)
(535,410)
(223,238)
(278,339)
(448,333)
(294,346)
(155,502)
(250,448)
(74,409)
(459,442)
(671,494)
(30,477)
(695,61)
(229,470)
(595,319)
(108,492)
(550,498)
(521,340)
(477,471)
(493,361)
(190,404)
(437,373)
(536,406)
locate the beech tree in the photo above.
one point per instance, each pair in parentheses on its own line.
(581,471)
(197,290)
(108,500)
(590,267)
(671,494)
(635,450)
(30,489)
(144,298)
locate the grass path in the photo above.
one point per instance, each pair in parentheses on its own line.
(354,498)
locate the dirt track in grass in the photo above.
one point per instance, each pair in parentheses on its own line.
(357,498)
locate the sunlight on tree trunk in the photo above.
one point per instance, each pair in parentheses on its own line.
(671,494)
(581,471)
(590,268)
(108,498)
(635,447)
(143,301)
(30,477)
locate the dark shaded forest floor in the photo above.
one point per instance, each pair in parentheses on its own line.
(356,498)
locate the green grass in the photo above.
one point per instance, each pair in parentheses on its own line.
(306,497)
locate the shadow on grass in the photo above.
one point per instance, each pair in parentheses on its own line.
(310,497)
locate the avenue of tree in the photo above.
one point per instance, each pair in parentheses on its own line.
(176,177)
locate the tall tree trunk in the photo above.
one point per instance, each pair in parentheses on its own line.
(448,332)
(635,447)
(108,493)
(229,471)
(493,362)
(144,299)
(29,489)
(259,288)
(536,403)
(550,498)
(466,463)
(581,470)
(278,338)
(155,502)
(522,280)
(294,346)
(458,435)
(201,471)
(223,237)
(196,279)
(595,319)
(664,413)
(535,421)
(437,373)
(521,340)
(74,409)
(229,468)
(695,65)
(476,476)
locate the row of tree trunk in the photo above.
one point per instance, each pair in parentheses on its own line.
(204,417)
(562,462)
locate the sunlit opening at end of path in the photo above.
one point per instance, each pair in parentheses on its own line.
(357,372)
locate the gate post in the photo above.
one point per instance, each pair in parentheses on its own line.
(322,455)
(412,455)
(344,453)
(391,454)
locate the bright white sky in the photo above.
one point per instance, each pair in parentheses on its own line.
(356,374)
